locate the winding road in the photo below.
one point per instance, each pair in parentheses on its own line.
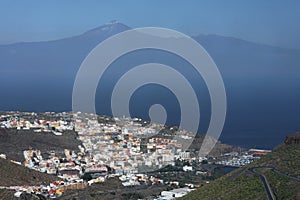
(271,195)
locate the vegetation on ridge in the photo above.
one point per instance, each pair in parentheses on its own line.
(242,184)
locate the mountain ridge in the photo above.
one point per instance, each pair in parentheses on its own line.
(39,76)
(123,27)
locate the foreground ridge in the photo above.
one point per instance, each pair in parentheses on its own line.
(274,176)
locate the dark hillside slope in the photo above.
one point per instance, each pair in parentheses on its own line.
(280,168)
(12,174)
(13,142)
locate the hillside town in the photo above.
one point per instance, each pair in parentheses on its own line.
(130,149)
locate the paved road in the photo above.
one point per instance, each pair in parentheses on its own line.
(268,189)
(283,174)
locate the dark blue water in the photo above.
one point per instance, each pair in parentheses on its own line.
(262,107)
(228,169)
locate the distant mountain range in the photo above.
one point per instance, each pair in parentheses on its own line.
(262,82)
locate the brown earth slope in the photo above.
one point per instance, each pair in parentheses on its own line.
(12,174)
(13,142)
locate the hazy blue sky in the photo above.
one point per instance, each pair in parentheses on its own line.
(270,22)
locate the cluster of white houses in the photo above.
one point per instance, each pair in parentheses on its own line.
(124,148)
(121,147)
